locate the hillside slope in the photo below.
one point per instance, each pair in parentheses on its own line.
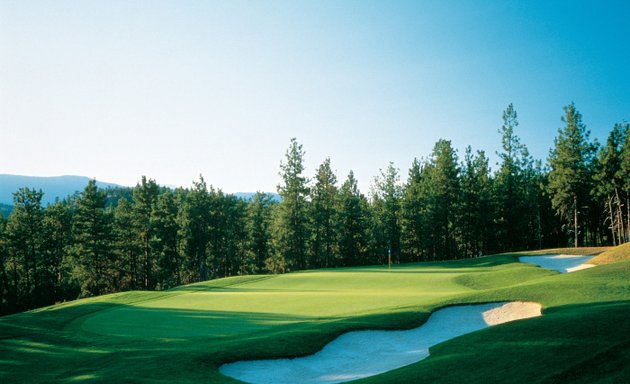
(613,255)
(56,187)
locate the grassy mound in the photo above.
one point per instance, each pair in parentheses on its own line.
(185,334)
(619,253)
(583,251)
(501,278)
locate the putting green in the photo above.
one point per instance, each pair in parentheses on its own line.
(207,310)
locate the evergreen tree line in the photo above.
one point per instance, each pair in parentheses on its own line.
(154,238)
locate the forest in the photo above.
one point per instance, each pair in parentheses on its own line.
(449,206)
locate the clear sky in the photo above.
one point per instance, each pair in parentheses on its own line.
(171,89)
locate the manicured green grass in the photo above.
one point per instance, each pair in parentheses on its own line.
(613,255)
(584,336)
(582,251)
(185,334)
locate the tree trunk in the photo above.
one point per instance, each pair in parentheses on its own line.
(36,295)
(146,260)
(16,296)
(132,266)
(575,219)
(612,220)
(619,214)
(202,268)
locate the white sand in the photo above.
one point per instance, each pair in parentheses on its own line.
(562,263)
(355,355)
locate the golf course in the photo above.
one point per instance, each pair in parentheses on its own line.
(186,334)
(314,192)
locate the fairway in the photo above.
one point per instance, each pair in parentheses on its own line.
(186,334)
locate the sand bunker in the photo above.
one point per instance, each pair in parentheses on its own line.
(562,263)
(355,355)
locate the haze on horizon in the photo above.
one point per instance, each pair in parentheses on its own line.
(173,89)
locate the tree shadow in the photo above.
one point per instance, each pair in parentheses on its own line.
(55,346)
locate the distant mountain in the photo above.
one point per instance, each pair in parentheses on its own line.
(60,187)
(247,196)
(56,187)
(5,210)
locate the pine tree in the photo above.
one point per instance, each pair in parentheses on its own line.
(57,235)
(217,223)
(227,234)
(240,260)
(553,235)
(259,221)
(24,249)
(516,207)
(145,196)
(165,241)
(475,217)
(570,177)
(443,179)
(92,248)
(625,174)
(128,246)
(353,223)
(292,220)
(4,298)
(195,232)
(609,179)
(324,217)
(276,262)
(485,230)
(386,202)
(412,218)
(538,204)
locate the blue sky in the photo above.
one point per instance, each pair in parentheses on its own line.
(171,89)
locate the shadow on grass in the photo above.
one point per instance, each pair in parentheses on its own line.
(47,346)
(52,346)
(222,283)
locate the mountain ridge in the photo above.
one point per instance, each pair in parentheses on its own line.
(54,187)
(60,187)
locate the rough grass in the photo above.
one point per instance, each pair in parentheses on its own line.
(185,334)
(613,255)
